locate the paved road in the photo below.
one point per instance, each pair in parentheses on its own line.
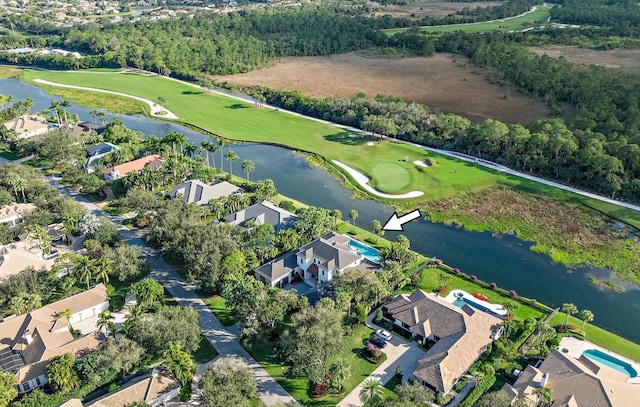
(224,340)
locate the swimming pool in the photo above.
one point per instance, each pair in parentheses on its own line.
(462,301)
(367,251)
(611,361)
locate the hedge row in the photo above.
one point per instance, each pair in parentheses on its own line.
(484,385)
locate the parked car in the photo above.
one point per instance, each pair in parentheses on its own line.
(52,255)
(377,341)
(386,335)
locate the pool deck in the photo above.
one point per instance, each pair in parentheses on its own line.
(497,309)
(576,347)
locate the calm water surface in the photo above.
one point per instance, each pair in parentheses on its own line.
(504,259)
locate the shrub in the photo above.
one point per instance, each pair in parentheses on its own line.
(480,389)
(456,270)
(493,285)
(320,389)
(473,277)
(438,261)
(513,293)
(444,400)
(185,393)
(571,327)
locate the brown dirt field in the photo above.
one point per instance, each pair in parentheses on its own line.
(429,8)
(442,81)
(623,59)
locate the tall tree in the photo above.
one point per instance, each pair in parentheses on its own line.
(340,371)
(568,309)
(148,292)
(586,316)
(376,228)
(228,382)
(371,392)
(353,215)
(248,167)
(8,389)
(179,364)
(61,373)
(231,156)
(104,321)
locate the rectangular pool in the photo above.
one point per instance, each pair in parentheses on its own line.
(367,251)
(612,362)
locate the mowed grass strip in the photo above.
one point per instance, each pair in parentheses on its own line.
(509,24)
(390,177)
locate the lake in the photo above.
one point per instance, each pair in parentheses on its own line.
(503,259)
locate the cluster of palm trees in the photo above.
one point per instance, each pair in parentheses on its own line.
(58,110)
(87,269)
(18,183)
(585,315)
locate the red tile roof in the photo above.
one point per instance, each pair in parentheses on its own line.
(150,161)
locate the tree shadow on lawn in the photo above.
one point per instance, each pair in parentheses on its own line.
(347,138)
(237,106)
(191,92)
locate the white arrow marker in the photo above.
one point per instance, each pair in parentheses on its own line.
(395,222)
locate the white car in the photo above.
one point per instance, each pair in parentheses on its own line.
(384,334)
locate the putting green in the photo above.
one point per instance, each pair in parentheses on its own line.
(390,177)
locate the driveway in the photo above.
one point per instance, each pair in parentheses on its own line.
(224,340)
(398,351)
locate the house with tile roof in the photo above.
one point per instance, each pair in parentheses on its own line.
(197,192)
(155,389)
(574,383)
(317,261)
(119,171)
(29,341)
(263,213)
(27,127)
(12,213)
(459,335)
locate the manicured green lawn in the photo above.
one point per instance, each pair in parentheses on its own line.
(217,306)
(298,387)
(205,351)
(511,24)
(389,388)
(601,337)
(239,120)
(429,283)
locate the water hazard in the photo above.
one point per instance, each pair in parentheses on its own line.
(503,259)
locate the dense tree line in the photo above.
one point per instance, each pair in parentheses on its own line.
(608,13)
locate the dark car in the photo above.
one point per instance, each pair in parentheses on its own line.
(378,341)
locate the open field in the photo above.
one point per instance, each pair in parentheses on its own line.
(507,24)
(444,81)
(416,10)
(623,59)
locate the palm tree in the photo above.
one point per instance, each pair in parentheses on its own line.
(231,157)
(18,183)
(179,364)
(147,291)
(189,149)
(66,313)
(569,309)
(103,269)
(443,278)
(223,144)
(248,166)
(64,104)
(544,394)
(586,316)
(353,215)
(340,371)
(376,228)
(94,113)
(371,392)
(54,108)
(104,321)
(336,214)
(135,313)
(84,268)
(544,331)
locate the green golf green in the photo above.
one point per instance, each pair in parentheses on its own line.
(390,177)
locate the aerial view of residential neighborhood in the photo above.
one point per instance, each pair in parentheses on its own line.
(391,203)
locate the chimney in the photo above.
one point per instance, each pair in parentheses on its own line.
(544,379)
(28,337)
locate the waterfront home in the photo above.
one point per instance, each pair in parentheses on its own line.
(457,336)
(316,262)
(119,171)
(197,192)
(29,341)
(27,127)
(263,213)
(574,382)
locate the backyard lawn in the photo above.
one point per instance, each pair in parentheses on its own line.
(298,387)
(601,337)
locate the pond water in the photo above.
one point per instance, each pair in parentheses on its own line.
(503,259)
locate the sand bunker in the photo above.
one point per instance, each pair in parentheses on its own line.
(363,181)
